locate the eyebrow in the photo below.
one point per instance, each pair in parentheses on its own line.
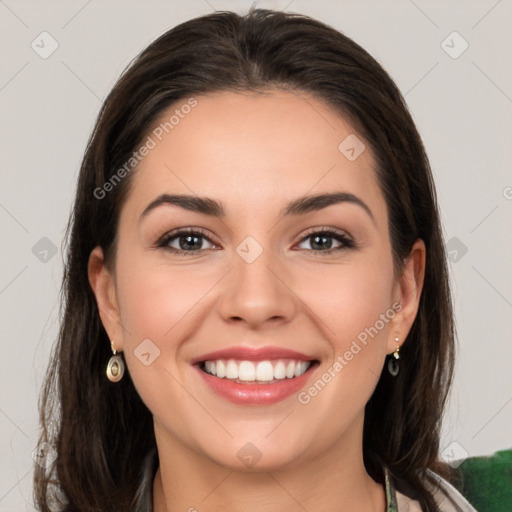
(300,206)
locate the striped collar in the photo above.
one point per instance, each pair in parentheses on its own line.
(391,505)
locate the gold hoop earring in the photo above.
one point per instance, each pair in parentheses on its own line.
(115,367)
(393,365)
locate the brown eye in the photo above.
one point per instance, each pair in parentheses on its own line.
(185,241)
(322,241)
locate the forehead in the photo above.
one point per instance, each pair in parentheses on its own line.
(254,149)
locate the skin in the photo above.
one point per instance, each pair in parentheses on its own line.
(255,153)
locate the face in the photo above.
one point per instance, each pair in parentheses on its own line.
(301,297)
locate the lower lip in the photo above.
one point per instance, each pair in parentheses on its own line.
(254,393)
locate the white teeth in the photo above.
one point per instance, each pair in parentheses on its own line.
(279,370)
(290,370)
(262,371)
(221,369)
(246,370)
(232,370)
(209,367)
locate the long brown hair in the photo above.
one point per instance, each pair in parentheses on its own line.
(102,431)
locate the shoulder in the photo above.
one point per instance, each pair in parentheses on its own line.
(446,496)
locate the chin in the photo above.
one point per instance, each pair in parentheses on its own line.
(255,456)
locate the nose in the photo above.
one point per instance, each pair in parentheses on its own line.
(258,292)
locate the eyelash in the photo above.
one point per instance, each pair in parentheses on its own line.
(347,243)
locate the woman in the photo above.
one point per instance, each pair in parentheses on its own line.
(255,261)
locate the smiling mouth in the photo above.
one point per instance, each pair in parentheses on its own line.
(257,372)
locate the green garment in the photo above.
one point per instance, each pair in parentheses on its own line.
(486,482)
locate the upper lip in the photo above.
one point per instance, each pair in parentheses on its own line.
(246,353)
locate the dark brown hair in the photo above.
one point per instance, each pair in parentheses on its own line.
(102,431)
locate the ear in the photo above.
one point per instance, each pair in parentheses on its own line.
(103,286)
(407,292)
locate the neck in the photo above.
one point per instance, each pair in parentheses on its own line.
(333,481)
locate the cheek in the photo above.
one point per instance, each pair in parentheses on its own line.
(366,297)
(155,297)
(354,305)
(157,304)
(162,305)
(348,298)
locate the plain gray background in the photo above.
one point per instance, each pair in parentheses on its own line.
(460,98)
